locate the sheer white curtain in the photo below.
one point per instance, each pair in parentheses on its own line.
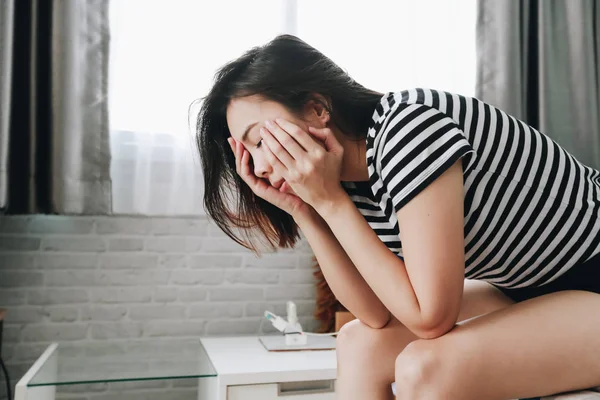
(390,45)
(164,54)
(163,57)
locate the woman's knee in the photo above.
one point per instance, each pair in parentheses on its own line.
(358,343)
(417,364)
(420,369)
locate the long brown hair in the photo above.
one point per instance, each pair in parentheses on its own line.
(289,71)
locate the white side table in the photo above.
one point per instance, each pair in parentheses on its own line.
(230,368)
(246,370)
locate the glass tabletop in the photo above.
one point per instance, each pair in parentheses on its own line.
(74,363)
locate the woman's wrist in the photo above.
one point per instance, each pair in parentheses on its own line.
(336,201)
(310,214)
(306,215)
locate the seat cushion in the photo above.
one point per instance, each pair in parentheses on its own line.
(591,394)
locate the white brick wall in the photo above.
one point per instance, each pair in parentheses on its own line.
(96,278)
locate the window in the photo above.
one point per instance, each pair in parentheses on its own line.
(164,55)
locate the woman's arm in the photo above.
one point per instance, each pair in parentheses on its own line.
(343,278)
(425,293)
(425,290)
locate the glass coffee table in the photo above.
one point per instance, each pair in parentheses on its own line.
(67,364)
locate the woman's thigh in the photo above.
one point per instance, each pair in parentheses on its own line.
(541,346)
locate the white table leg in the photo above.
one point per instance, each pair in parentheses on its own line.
(47,368)
(210,389)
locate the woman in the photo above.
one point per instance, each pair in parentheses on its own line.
(401,196)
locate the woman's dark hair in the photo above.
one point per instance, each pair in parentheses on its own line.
(289,71)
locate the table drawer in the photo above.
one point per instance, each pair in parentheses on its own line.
(306,390)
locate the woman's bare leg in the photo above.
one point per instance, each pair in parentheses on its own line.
(366,356)
(542,346)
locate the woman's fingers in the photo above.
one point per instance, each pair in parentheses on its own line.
(231,142)
(277,148)
(319,133)
(242,163)
(245,164)
(259,186)
(286,139)
(275,162)
(238,156)
(297,134)
(326,136)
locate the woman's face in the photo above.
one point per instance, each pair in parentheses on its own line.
(245,117)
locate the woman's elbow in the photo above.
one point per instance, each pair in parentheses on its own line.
(435,329)
(378,321)
(434,333)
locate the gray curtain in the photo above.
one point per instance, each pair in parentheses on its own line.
(539,61)
(54,136)
(6,49)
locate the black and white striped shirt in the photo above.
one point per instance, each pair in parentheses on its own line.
(531,210)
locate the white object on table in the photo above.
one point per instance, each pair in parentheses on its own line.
(246,370)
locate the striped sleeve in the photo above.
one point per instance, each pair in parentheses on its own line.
(418,143)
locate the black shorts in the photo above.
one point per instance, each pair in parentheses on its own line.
(585,276)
